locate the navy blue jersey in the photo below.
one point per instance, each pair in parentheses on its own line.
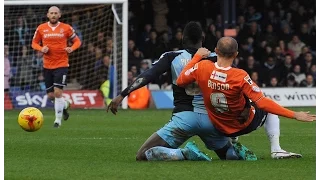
(185,99)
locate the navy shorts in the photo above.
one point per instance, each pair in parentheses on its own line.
(55,78)
(259,119)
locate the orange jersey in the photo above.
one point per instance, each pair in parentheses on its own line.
(56,38)
(223,91)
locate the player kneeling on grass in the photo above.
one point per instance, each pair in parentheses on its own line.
(223,88)
(189,117)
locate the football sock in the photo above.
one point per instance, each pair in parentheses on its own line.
(59,104)
(65,104)
(159,153)
(272,128)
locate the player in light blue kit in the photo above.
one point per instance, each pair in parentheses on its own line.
(189,116)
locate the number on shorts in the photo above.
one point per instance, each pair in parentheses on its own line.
(64,79)
(219,101)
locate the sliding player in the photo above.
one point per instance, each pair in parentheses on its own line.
(223,88)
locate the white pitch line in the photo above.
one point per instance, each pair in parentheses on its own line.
(109,138)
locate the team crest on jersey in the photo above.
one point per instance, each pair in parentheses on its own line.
(248,79)
(219,76)
(61,30)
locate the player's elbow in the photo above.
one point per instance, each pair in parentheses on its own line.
(261,104)
(79,41)
(33,45)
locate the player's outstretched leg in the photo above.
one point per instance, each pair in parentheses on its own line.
(189,152)
(272,128)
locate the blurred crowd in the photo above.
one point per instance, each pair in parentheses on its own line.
(276,40)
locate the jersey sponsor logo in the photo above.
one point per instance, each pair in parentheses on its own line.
(248,79)
(53,35)
(219,76)
(256,89)
(187,73)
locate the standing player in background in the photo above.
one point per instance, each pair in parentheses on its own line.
(51,38)
(189,116)
(223,88)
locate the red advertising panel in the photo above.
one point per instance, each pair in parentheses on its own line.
(84,99)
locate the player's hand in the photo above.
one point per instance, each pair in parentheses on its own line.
(304,116)
(113,106)
(45,49)
(204,52)
(244,116)
(68,49)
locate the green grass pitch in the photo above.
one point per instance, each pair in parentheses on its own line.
(94,144)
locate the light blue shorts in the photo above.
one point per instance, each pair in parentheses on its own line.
(186,124)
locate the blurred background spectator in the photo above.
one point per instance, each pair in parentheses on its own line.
(276,39)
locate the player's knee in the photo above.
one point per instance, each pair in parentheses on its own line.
(57,93)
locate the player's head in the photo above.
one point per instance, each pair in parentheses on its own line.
(192,35)
(53,14)
(227,47)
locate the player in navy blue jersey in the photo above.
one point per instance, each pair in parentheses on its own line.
(189,116)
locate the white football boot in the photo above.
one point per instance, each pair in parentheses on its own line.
(282,154)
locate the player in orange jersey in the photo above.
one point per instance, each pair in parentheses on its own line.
(52,39)
(223,88)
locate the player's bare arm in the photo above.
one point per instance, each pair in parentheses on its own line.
(160,67)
